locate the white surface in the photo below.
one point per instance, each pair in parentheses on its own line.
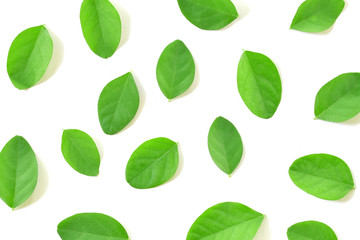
(69,100)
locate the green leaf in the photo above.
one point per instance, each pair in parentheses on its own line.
(317,15)
(18,172)
(101,26)
(339,99)
(29,57)
(225,145)
(94,226)
(175,69)
(310,230)
(118,104)
(259,84)
(228,220)
(322,175)
(80,152)
(208,14)
(153,163)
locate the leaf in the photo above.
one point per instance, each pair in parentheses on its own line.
(101,26)
(259,84)
(310,230)
(118,104)
(225,145)
(29,57)
(317,15)
(175,71)
(339,99)
(322,175)
(18,172)
(80,152)
(94,226)
(208,14)
(228,220)
(153,163)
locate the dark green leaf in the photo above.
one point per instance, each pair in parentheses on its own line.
(228,220)
(118,104)
(18,172)
(91,226)
(322,175)
(225,145)
(339,99)
(175,69)
(153,163)
(310,230)
(101,26)
(317,15)
(80,152)
(259,84)
(29,57)
(208,14)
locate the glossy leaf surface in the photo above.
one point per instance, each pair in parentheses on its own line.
(91,226)
(80,152)
(175,71)
(208,14)
(225,145)
(153,163)
(317,15)
(259,84)
(310,230)
(228,220)
(29,56)
(101,26)
(118,104)
(339,99)
(322,175)
(18,172)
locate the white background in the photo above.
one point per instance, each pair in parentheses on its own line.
(68,99)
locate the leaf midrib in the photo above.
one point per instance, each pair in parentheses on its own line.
(92,234)
(153,162)
(234,226)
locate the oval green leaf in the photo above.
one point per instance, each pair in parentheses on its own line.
(259,84)
(175,71)
(101,26)
(18,172)
(153,163)
(208,14)
(225,145)
(339,99)
(317,15)
(29,57)
(310,230)
(118,104)
(228,220)
(95,226)
(80,152)
(322,175)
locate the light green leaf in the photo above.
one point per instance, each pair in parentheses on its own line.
(80,152)
(225,145)
(29,57)
(18,172)
(153,163)
(91,226)
(228,220)
(175,71)
(339,99)
(322,175)
(259,84)
(118,104)
(208,14)
(310,230)
(317,15)
(101,26)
